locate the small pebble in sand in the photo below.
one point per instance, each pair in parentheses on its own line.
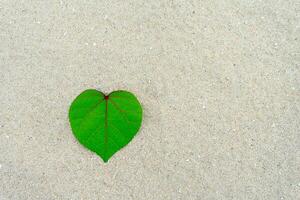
(273,125)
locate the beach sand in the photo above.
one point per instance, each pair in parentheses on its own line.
(219,82)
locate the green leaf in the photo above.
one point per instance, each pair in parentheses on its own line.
(105,124)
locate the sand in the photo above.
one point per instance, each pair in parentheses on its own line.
(219,82)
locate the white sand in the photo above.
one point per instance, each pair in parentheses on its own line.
(219,82)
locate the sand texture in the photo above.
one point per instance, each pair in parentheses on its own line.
(219,82)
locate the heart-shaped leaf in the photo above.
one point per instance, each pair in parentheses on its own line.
(105,124)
